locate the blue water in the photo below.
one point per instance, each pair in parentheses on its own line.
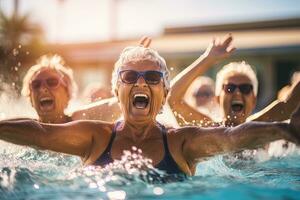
(26,173)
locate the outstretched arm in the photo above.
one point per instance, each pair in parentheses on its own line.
(104,110)
(201,143)
(215,52)
(279,110)
(74,138)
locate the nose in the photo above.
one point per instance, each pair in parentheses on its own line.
(141,81)
(43,87)
(237,92)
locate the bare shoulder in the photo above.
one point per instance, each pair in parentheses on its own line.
(102,133)
(182,133)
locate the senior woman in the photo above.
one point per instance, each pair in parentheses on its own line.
(49,85)
(141,84)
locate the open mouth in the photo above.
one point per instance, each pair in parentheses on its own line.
(46,102)
(140,101)
(237,106)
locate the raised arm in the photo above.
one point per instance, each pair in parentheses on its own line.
(201,143)
(215,52)
(279,110)
(74,138)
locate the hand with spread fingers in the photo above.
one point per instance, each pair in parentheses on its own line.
(220,49)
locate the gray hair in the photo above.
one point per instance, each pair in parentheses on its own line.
(56,63)
(138,54)
(236,68)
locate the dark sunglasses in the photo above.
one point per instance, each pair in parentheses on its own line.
(244,88)
(131,76)
(51,83)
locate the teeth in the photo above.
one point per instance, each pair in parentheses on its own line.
(46,99)
(141,95)
(237,102)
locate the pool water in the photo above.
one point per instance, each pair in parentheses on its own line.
(26,173)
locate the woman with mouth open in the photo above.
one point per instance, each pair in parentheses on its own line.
(141,84)
(236,91)
(49,85)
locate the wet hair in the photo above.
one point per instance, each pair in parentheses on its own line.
(137,54)
(55,63)
(236,68)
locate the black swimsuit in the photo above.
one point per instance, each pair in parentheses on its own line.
(167,164)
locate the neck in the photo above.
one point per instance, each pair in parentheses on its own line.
(54,119)
(139,131)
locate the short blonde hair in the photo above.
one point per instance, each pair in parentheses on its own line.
(138,54)
(53,62)
(236,68)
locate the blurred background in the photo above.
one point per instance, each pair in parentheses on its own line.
(90,34)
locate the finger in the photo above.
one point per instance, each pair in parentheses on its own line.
(217,41)
(214,41)
(228,40)
(147,42)
(231,49)
(142,40)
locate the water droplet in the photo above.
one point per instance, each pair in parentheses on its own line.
(16,68)
(19,64)
(36,186)
(133,148)
(117,195)
(158,191)
(27,52)
(15,52)
(172,68)
(92,185)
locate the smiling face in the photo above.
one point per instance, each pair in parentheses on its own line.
(236,106)
(49,95)
(140,102)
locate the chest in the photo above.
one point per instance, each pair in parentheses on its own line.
(152,148)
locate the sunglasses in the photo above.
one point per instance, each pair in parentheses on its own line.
(206,94)
(51,83)
(244,88)
(131,76)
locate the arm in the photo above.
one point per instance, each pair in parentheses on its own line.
(105,110)
(279,110)
(74,138)
(216,51)
(201,143)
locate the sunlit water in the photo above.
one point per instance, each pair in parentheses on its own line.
(26,173)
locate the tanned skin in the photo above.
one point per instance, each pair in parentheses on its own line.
(88,139)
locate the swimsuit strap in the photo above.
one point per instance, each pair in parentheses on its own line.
(105,158)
